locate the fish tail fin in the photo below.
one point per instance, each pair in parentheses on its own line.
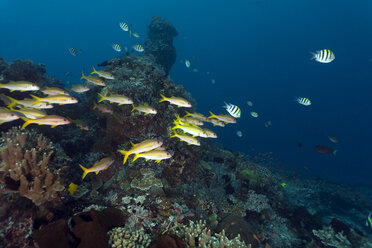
(212,115)
(134,107)
(163,98)
(94,106)
(126,155)
(176,125)
(226,105)
(174,135)
(86,171)
(102,97)
(12,103)
(94,70)
(187,114)
(313,55)
(335,152)
(136,156)
(37,100)
(1,85)
(27,122)
(82,75)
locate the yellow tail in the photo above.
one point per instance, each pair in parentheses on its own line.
(187,114)
(212,115)
(13,102)
(134,107)
(126,155)
(82,75)
(27,122)
(38,99)
(174,135)
(102,97)
(163,98)
(94,70)
(136,156)
(86,171)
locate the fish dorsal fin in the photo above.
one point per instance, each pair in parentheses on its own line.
(146,104)
(132,143)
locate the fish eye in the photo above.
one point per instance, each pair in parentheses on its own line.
(65,119)
(12,115)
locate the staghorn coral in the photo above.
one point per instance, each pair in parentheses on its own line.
(199,235)
(121,237)
(329,237)
(25,168)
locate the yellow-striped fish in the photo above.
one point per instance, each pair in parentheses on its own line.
(216,122)
(197,116)
(59,99)
(144,146)
(178,101)
(192,120)
(31,113)
(103,74)
(7,116)
(80,88)
(138,48)
(103,164)
(145,109)
(190,129)
(20,86)
(120,99)
(224,118)
(210,133)
(53,91)
(94,80)
(187,138)
(156,155)
(51,120)
(28,103)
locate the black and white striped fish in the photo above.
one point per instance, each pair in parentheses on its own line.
(323,56)
(304,101)
(73,51)
(138,48)
(233,110)
(116,47)
(124,26)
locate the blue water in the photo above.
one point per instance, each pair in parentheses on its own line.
(256,50)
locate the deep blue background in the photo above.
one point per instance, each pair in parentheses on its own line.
(255,50)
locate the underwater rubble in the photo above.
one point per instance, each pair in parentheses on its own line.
(204,196)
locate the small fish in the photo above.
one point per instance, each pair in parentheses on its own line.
(323,56)
(178,101)
(187,63)
(254,114)
(51,120)
(1,77)
(138,48)
(80,124)
(103,74)
(250,104)
(210,133)
(53,91)
(135,34)
(191,129)
(187,138)
(59,99)
(233,110)
(216,122)
(144,146)
(369,220)
(80,88)
(225,118)
(239,133)
(145,109)
(268,123)
(30,113)
(102,108)
(68,74)
(120,99)
(20,86)
(195,70)
(197,116)
(192,120)
(28,103)
(93,80)
(72,188)
(304,101)
(73,51)
(156,155)
(116,47)
(7,116)
(213,81)
(334,139)
(124,26)
(283,184)
(325,149)
(101,165)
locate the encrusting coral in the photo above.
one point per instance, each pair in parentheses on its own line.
(27,166)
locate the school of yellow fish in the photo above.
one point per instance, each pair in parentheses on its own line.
(30,110)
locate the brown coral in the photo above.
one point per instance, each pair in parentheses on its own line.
(25,168)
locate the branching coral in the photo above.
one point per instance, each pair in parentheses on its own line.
(199,235)
(121,237)
(28,166)
(328,237)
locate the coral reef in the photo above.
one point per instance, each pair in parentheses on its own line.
(121,237)
(26,156)
(329,237)
(159,42)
